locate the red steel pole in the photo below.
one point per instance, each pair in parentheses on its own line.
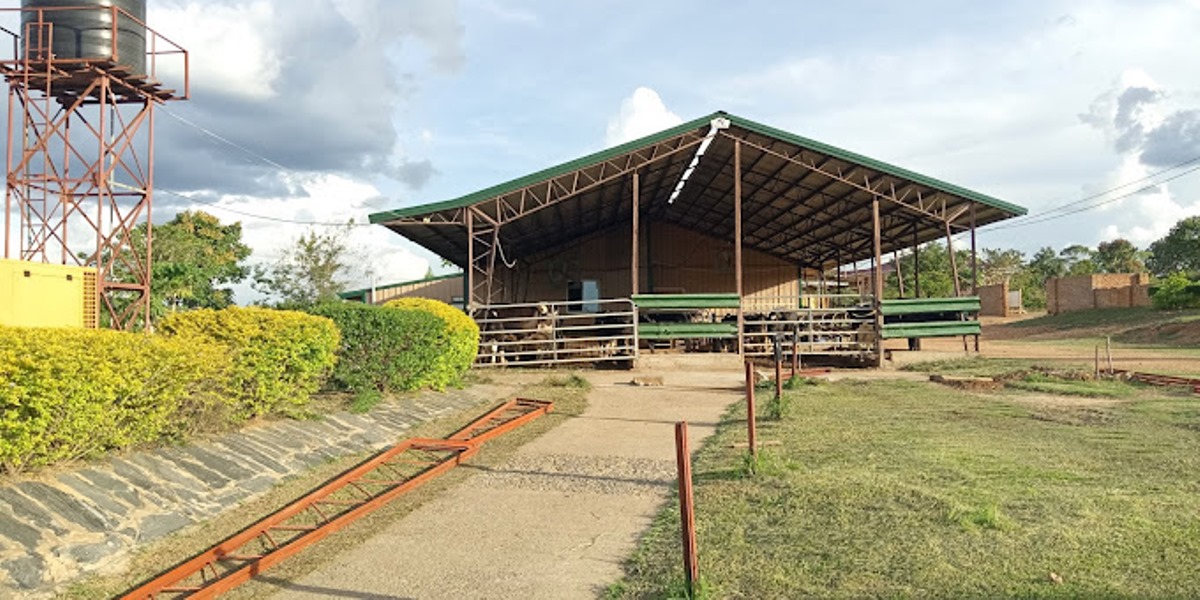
(751,434)
(687,513)
(778,378)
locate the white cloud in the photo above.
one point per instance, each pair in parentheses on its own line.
(377,252)
(641,114)
(227,45)
(1001,114)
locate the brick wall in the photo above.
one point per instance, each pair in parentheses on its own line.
(1087,292)
(993,300)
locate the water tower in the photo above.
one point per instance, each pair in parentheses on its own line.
(84,79)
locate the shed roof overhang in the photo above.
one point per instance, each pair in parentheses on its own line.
(803,201)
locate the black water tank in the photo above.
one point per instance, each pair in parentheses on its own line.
(87,33)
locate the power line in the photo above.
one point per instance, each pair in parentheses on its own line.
(1045,218)
(257,216)
(253,154)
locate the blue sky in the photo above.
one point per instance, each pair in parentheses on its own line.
(379,104)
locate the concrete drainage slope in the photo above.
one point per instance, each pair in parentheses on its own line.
(60,526)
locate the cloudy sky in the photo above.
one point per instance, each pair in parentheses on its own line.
(325,110)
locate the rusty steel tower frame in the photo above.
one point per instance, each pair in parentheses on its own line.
(80,148)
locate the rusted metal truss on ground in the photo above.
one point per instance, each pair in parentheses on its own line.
(1160,380)
(331,507)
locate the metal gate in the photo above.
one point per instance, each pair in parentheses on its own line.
(825,325)
(556,333)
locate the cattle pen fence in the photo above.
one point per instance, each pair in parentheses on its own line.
(556,333)
(610,331)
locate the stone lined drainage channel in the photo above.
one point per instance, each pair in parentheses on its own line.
(59,527)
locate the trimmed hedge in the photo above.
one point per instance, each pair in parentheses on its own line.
(383,350)
(68,394)
(458,345)
(279,357)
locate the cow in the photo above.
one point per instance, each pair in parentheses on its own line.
(515,333)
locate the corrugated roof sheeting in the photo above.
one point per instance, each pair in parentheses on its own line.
(803,201)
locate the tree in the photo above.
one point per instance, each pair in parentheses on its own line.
(1047,264)
(1118,256)
(937,280)
(999,266)
(193,255)
(1178,251)
(314,269)
(1078,260)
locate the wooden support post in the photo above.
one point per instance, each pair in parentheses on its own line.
(751,432)
(878,276)
(953,260)
(687,512)
(975,258)
(737,244)
(899,272)
(633,265)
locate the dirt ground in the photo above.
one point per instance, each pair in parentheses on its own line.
(560,516)
(1001,340)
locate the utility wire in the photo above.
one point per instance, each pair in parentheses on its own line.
(253,154)
(257,216)
(1058,208)
(1044,218)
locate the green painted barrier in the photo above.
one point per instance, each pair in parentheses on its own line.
(920,306)
(679,331)
(930,329)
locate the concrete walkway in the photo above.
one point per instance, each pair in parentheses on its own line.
(558,519)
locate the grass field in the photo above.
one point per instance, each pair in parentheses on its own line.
(910,489)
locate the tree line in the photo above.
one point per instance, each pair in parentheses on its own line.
(197,259)
(1174,257)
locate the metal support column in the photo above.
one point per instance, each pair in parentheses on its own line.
(953,260)
(916,264)
(633,265)
(974,257)
(878,275)
(737,244)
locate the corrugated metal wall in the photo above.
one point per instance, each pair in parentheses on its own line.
(447,290)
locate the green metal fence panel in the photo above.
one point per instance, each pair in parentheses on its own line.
(918,306)
(679,331)
(932,329)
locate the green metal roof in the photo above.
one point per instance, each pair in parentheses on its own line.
(766,130)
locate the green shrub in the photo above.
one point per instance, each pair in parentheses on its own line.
(384,350)
(279,357)
(459,342)
(1176,292)
(67,394)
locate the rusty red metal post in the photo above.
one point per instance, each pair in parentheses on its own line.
(751,434)
(687,513)
(778,379)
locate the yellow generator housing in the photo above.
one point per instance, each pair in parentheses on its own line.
(45,295)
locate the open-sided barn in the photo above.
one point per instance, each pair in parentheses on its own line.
(721,231)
